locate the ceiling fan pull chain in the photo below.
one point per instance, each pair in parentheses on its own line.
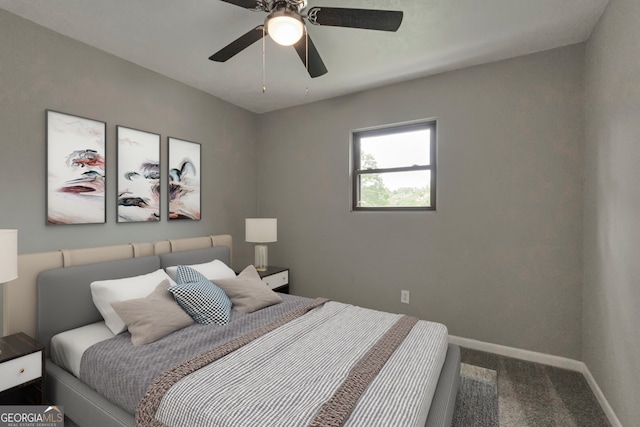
(306,50)
(264,78)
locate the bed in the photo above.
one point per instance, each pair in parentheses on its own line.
(65,303)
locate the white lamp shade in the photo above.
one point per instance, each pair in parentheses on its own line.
(285,30)
(8,255)
(261,230)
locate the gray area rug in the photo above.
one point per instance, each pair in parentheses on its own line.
(477,400)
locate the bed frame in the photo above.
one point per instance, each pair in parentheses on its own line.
(64,302)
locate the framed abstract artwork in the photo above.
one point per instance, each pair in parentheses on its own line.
(184,180)
(76,169)
(138,175)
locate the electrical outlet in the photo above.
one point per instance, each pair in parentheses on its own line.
(404,297)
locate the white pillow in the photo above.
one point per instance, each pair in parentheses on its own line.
(213,270)
(105,292)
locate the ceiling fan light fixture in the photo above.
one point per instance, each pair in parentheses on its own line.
(284,27)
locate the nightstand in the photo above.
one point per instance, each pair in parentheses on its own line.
(21,370)
(277,278)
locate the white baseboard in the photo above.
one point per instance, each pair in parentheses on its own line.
(608,410)
(530,356)
(545,359)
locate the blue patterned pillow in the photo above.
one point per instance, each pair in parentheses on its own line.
(205,302)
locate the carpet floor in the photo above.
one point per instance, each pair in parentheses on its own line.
(535,395)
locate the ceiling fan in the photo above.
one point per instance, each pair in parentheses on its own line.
(285,24)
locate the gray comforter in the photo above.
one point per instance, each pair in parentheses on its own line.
(122,372)
(338,365)
(377,369)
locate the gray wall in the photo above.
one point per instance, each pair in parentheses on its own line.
(41,69)
(500,260)
(611,338)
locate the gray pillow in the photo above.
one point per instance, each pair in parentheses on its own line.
(248,292)
(153,317)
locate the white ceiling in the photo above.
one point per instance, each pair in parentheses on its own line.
(176,37)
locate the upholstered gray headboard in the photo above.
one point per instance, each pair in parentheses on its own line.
(20,303)
(64,295)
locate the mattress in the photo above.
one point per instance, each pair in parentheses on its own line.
(68,347)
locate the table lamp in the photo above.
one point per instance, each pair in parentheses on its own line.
(261,230)
(8,258)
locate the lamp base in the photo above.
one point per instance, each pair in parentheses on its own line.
(261,257)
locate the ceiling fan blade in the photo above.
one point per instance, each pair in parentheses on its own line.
(247,4)
(368,19)
(316,66)
(238,45)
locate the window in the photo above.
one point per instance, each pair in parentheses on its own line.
(394,168)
